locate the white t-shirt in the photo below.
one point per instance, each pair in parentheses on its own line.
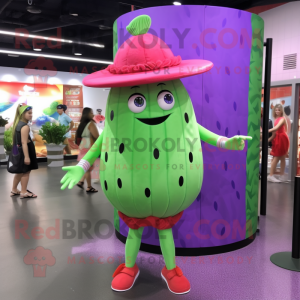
(86,137)
(64,119)
(30,131)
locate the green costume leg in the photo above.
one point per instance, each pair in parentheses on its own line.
(167,247)
(132,246)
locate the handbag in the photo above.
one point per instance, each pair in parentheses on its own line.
(15,163)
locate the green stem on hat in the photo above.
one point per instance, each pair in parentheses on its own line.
(139,25)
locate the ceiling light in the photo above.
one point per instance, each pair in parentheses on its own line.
(73,13)
(10,33)
(34,36)
(77,49)
(50,38)
(33,9)
(176,3)
(56,56)
(9,78)
(103,27)
(36,46)
(96,45)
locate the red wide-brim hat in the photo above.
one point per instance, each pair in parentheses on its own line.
(143,59)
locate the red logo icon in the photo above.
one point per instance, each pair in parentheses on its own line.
(39,258)
(41,68)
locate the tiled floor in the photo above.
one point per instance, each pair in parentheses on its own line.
(243,274)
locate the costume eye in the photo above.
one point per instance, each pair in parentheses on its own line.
(137,103)
(165,100)
(43,258)
(35,258)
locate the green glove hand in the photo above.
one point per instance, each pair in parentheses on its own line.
(72,177)
(237,142)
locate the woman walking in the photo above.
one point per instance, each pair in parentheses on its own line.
(280,144)
(22,141)
(86,134)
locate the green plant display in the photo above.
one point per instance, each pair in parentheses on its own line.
(8,140)
(52,133)
(3,122)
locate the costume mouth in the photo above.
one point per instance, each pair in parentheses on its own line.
(154,121)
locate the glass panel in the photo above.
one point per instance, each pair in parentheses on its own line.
(280,95)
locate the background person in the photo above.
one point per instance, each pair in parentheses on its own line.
(64,119)
(21,137)
(280,144)
(86,134)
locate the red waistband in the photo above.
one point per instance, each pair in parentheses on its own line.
(159,223)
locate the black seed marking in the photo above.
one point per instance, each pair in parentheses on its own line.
(106,156)
(186,117)
(121,148)
(180,181)
(119,183)
(147,192)
(105,184)
(156,153)
(111,115)
(191,157)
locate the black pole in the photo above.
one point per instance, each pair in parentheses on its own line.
(264,158)
(296,220)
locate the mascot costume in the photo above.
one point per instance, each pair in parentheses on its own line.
(148,102)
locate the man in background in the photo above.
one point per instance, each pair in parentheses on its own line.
(64,119)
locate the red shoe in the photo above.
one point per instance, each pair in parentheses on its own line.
(124,278)
(177,283)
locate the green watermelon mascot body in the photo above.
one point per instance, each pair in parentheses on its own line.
(151,158)
(152,140)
